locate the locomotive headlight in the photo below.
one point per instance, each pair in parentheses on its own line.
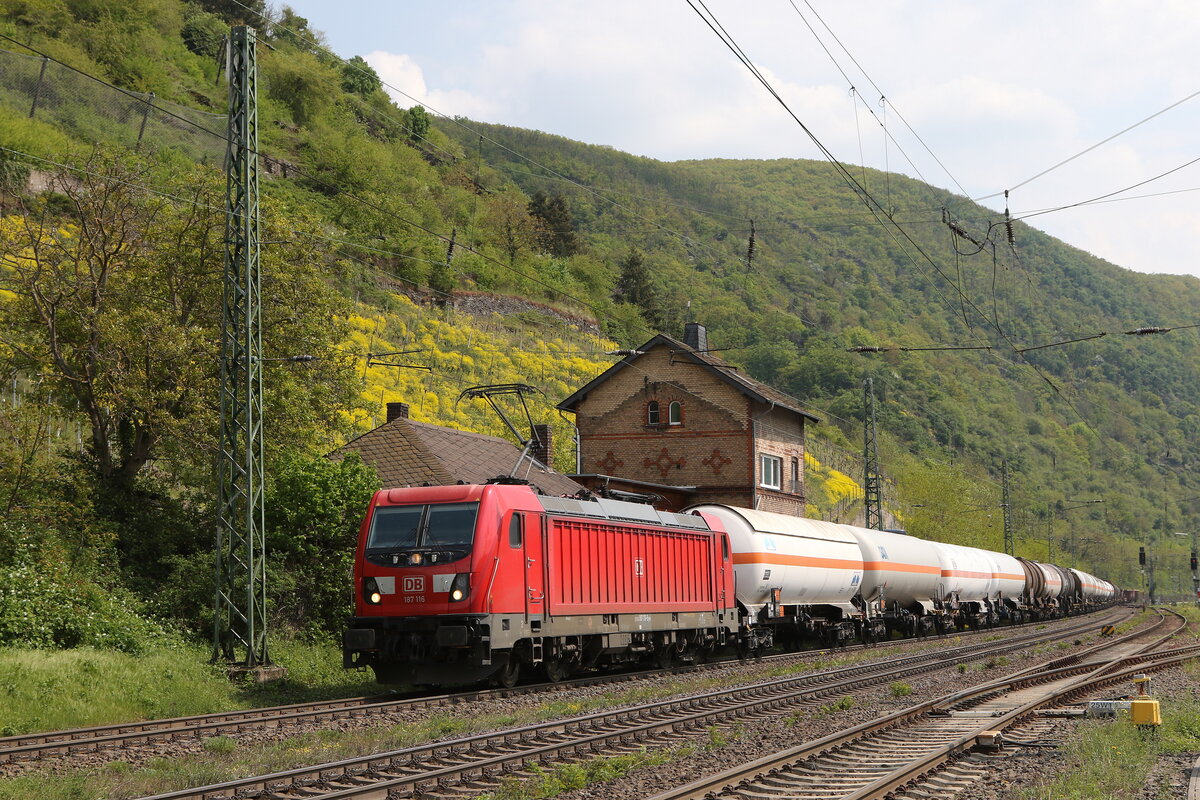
(371,591)
(461,587)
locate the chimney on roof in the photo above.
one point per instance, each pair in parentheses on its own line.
(397,411)
(542,448)
(695,336)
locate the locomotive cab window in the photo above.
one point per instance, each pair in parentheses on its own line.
(514,531)
(442,531)
(395,527)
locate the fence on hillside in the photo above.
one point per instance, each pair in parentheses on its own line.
(42,89)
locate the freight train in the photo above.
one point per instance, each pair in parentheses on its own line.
(458,584)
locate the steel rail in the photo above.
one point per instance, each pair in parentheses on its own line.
(734,781)
(591,732)
(31,746)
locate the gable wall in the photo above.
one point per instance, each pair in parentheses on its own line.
(712,447)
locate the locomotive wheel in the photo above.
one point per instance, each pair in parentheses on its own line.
(555,669)
(507,676)
(665,658)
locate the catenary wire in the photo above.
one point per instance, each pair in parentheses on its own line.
(868,199)
(1093,147)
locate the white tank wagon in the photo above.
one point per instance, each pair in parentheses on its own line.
(1010,577)
(967,574)
(792,572)
(900,580)
(968,583)
(1091,587)
(1010,584)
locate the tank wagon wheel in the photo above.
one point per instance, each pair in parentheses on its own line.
(509,673)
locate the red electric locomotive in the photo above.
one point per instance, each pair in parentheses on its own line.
(455,584)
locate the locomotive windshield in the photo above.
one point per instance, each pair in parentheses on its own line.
(443,526)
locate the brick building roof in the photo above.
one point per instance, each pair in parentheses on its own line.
(408,453)
(717,366)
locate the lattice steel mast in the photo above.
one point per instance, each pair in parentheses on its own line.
(240,624)
(1010,542)
(871,495)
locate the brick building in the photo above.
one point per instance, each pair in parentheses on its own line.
(409,453)
(673,419)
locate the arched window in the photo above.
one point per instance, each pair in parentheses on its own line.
(652,412)
(675,413)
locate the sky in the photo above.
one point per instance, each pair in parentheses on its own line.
(976,97)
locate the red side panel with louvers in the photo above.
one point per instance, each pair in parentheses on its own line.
(601,567)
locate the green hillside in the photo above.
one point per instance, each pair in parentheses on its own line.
(492,254)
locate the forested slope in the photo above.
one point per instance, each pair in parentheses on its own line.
(383,227)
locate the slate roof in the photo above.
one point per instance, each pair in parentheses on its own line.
(717,366)
(409,453)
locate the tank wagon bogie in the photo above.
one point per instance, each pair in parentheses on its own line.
(458,584)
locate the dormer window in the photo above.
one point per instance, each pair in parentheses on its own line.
(675,413)
(652,415)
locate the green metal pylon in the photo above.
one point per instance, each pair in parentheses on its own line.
(871,489)
(240,623)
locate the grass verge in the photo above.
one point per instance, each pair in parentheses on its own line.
(54,689)
(1113,758)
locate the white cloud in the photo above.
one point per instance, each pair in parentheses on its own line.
(998,92)
(404,81)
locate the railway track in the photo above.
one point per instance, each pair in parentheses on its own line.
(477,762)
(33,746)
(881,757)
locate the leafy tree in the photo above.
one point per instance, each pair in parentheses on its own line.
(555,228)
(116,304)
(314,508)
(359,78)
(236,12)
(291,28)
(418,123)
(302,83)
(509,225)
(634,285)
(202,33)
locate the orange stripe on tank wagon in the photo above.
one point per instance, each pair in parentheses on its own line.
(894,566)
(784,560)
(962,573)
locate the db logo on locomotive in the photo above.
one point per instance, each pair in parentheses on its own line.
(413,583)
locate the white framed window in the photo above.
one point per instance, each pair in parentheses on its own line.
(675,413)
(770,471)
(652,412)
